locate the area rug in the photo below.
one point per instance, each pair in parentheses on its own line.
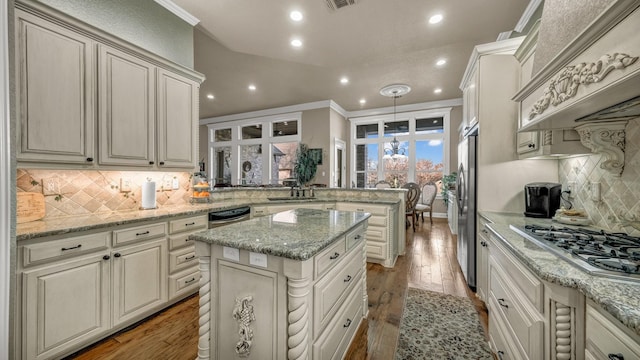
(440,326)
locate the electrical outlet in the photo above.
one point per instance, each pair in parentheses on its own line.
(125,185)
(176,184)
(571,186)
(167,183)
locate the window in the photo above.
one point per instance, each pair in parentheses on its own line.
(410,149)
(254,152)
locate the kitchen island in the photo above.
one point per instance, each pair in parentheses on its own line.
(291,285)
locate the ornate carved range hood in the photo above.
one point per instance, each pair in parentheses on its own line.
(592,86)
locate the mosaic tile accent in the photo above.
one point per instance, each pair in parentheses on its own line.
(440,326)
(84,192)
(619,207)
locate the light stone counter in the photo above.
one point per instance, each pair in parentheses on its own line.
(620,298)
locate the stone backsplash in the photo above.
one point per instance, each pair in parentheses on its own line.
(619,206)
(80,192)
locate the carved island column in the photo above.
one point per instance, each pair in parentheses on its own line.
(203,251)
(299,304)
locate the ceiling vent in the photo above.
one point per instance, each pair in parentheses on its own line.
(337,4)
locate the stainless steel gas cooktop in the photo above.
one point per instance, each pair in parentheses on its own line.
(615,255)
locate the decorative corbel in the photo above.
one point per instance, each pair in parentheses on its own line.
(606,138)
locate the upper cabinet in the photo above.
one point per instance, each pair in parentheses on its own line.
(470,99)
(597,70)
(55,94)
(86,99)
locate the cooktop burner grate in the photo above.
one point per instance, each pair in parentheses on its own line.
(595,251)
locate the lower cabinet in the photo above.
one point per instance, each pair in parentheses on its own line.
(606,339)
(65,305)
(73,290)
(482,260)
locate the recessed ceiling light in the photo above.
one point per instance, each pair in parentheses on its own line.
(344,80)
(210,97)
(441,62)
(252,87)
(296,43)
(295,15)
(435,19)
(363,101)
(437,91)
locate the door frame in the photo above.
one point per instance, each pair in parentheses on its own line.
(339,144)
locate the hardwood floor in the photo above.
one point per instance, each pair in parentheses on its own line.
(430,263)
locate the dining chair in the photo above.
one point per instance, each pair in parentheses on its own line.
(428,194)
(411,200)
(382,184)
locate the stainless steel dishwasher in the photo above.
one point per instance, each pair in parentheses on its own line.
(229,216)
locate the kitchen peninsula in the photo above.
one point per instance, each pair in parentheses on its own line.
(288,285)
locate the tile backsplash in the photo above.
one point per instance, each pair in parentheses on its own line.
(619,206)
(80,192)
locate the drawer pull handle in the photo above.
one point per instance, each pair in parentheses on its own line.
(71,248)
(500,355)
(483,243)
(190,281)
(189,224)
(501,302)
(190,257)
(89,159)
(617,356)
(117,255)
(143,233)
(348,278)
(334,256)
(347,324)
(485,231)
(357,237)
(106,257)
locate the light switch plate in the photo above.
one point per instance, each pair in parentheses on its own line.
(258,259)
(231,253)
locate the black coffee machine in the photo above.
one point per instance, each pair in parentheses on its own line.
(542,199)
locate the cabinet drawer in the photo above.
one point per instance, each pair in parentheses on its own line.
(179,241)
(369,208)
(188,224)
(334,340)
(501,343)
(377,220)
(376,233)
(139,233)
(376,250)
(525,323)
(521,278)
(329,257)
(55,249)
(259,211)
(354,237)
(329,292)
(183,283)
(603,337)
(182,259)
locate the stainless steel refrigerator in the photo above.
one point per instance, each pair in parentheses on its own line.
(467,205)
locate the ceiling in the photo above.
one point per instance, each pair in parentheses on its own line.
(373,43)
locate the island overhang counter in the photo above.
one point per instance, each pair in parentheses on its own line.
(291,285)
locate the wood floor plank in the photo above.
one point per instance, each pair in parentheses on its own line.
(430,263)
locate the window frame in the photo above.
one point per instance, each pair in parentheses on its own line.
(267,139)
(411,137)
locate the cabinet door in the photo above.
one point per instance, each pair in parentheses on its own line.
(177,121)
(54,93)
(139,280)
(483,262)
(64,305)
(527,142)
(126,93)
(470,99)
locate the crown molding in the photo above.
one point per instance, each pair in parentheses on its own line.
(178,11)
(527,14)
(406,108)
(498,47)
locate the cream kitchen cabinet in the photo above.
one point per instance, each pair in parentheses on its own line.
(606,339)
(452,212)
(73,289)
(482,260)
(470,99)
(124,106)
(382,245)
(183,263)
(126,98)
(55,95)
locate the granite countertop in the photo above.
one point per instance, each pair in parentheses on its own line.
(619,297)
(77,223)
(295,234)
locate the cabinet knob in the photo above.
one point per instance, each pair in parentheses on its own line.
(151,163)
(89,159)
(617,356)
(531,145)
(161,163)
(334,256)
(106,257)
(117,255)
(348,278)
